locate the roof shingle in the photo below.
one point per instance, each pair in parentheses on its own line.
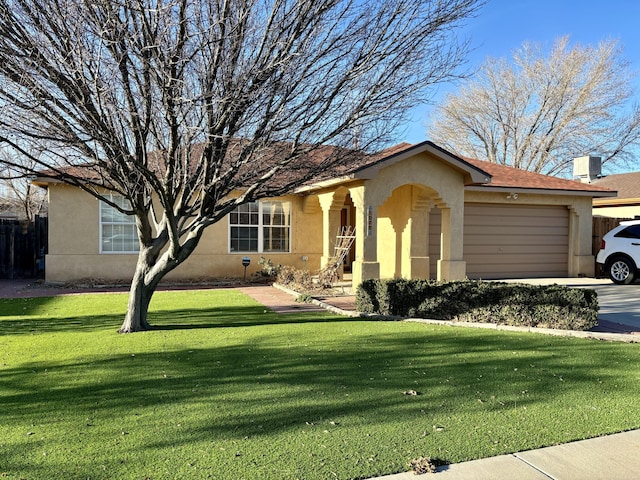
(510,177)
(501,176)
(627,184)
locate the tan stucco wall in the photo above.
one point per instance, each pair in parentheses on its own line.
(393,219)
(400,195)
(74,246)
(627,211)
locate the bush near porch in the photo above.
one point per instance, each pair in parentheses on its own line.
(548,306)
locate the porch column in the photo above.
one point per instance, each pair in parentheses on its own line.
(416,237)
(366,264)
(451,266)
(331,205)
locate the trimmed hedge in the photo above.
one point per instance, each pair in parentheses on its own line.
(548,306)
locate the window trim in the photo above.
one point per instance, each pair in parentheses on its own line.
(103,204)
(261,226)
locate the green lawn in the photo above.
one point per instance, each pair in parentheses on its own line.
(223,389)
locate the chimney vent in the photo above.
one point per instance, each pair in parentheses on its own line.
(586,169)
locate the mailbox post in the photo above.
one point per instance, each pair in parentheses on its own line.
(245,263)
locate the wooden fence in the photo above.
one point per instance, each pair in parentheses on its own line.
(22,248)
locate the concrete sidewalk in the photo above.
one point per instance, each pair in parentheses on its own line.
(614,457)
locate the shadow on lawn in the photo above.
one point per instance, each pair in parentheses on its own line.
(287,381)
(181,319)
(256,384)
(258,387)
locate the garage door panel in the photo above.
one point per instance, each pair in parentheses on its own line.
(513,211)
(522,250)
(523,240)
(508,230)
(501,272)
(508,220)
(506,271)
(514,241)
(506,259)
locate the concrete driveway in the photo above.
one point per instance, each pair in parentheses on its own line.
(619,303)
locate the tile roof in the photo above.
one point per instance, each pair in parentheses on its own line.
(626,184)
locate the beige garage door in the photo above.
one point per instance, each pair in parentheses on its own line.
(505,241)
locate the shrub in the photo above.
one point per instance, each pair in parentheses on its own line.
(290,276)
(268,268)
(328,276)
(304,298)
(551,306)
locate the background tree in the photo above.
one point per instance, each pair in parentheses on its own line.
(180,104)
(18,194)
(540,111)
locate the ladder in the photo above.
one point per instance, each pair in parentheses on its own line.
(344,240)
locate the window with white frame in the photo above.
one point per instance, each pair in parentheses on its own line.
(260,227)
(118,233)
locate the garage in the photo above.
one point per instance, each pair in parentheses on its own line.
(514,241)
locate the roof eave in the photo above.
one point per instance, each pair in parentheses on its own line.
(333,182)
(614,202)
(41,181)
(476,175)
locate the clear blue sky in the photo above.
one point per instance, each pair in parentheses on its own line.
(504,25)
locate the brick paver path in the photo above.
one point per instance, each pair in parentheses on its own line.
(277,300)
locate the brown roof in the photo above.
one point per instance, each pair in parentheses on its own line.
(509,177)
(501,176)
(627,184)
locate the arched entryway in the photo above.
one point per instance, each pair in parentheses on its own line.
(390,206)
(405,243)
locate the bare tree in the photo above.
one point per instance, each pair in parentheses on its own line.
(17,193)
(22,198)
(177,104)
(540,111)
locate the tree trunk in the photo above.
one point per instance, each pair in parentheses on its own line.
(153,264)
(140,296)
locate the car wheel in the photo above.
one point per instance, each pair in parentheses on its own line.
(621,271)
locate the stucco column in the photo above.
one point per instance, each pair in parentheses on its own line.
(416,237)
(451,266)
(366,264)
(581,260)
(331,205)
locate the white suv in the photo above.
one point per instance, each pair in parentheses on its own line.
(619,253)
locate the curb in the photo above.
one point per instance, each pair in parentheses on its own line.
(609,337)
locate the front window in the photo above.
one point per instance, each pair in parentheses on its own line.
(260,227)
(118,233)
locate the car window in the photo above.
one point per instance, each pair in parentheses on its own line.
(632,231)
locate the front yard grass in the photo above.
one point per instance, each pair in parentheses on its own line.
(222,389)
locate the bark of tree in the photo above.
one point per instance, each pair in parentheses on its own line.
(140,293)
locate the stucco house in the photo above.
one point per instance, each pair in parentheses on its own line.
(627,203)
(418,212)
